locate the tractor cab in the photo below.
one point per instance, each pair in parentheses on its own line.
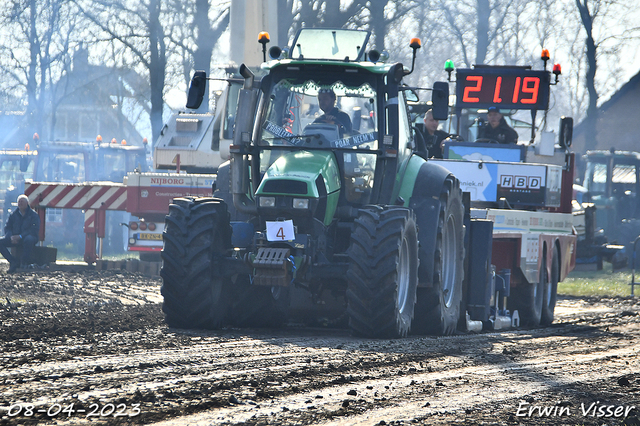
(330,133)
(114,161)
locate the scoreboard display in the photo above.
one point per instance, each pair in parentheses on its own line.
(502,87)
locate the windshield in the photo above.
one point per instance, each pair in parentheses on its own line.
(312,43)
(62,167)
(623,177)
(11,173)
(115,164)
(309,115)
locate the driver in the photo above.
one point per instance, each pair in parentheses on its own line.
(497,129)
(332,115)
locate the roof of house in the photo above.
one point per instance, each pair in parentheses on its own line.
(628,87)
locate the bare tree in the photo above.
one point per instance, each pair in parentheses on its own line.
(588,15)
(607,28)
(197,40)
(475,25)
(40,36)
(138,27)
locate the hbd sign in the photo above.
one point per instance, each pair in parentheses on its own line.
(520,182)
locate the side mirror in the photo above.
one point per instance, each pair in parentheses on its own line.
(565,135)
(196,90)
(440,100)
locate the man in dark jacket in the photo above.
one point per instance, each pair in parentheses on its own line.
(497,129)
(433,137)
(22,229)
(332,115)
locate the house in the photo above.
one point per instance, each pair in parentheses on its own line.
(87,102)
(618,123)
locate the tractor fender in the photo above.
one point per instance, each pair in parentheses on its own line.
(425,202)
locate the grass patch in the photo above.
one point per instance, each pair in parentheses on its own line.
(599,283)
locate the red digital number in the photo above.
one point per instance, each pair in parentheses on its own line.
(533,90)
(469,89)
(516,90)
(496,93)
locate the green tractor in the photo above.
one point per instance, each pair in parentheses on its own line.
(324,214)
(611,183)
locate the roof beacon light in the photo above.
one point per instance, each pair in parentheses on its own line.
(415,44)
(263,39)
(557,70)
(545,57)
(99,138)
(449,67)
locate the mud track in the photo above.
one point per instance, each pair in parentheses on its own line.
(82,347)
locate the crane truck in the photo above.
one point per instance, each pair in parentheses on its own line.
(315,220)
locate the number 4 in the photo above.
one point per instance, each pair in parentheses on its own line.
(280,233)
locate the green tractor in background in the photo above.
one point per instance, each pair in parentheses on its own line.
(612,184)
(319,220)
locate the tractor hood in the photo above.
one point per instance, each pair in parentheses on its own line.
(304,174)
(297,173)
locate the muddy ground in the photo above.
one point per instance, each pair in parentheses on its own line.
(81,346)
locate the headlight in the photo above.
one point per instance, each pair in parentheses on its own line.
(267,201)
(300,203)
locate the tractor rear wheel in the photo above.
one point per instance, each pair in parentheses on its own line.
(551,291)
(528,298)
(438,306)
(197,234)
(383,272)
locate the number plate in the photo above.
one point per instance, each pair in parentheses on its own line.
(150,237)
(280,231)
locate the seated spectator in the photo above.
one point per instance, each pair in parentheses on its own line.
(497,129)
(21,230)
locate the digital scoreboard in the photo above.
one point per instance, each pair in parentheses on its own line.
(502,87)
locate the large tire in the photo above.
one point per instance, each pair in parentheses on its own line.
(438,309)
(551,291)
(528,298)
(383,272)
(197,235)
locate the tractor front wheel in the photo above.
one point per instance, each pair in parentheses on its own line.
(197,236)
(438,307)
(383,272)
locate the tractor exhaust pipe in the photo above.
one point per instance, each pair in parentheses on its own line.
(239,168)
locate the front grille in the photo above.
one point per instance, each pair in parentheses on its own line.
(285,186)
